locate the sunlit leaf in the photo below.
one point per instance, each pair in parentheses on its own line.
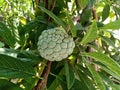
(91,34)
(112,25)
(104,59)
(103,67)
(23,20)
(96,77)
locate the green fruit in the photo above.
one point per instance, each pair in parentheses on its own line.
(55,44)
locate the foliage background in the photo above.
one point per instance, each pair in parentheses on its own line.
(95,62)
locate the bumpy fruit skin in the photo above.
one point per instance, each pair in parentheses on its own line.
(55,44)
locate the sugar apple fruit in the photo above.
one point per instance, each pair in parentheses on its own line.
(55,44)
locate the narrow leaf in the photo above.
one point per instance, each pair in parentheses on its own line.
(73,29)
(96,77)
(105,12)
(91,34)
(70,78)
(110,82)
(13,68)
(79,85)
(53,16)
(112,25)
(83,74)
(103,67)
(107,61)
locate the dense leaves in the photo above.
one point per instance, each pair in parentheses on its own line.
(13,68)
(95,61)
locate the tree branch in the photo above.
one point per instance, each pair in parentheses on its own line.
(94,14)
(41,84)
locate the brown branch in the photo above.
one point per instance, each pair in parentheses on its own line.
(41,84)
(67,28)
(95,16)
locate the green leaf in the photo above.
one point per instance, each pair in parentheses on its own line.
(13,68)
(117,10)
(59,80)
(105,12)
(96,77)
(1,44)
(91,34)
(26,56)
(6,85)
(83,3)
(104,59)
(7,35)
(79,85)
(29,83)
(29,57)
(70,78)
(53,16)
(86,16)
(62,82)
(108,41)
(109,82)
(73,29)
(84,75)
(112,25)
(7,50)
(103,67)
(54,84)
